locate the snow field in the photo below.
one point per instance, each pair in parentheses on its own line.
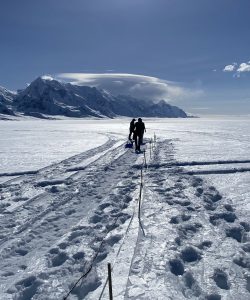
(56,234)
(82,212)
(195,245)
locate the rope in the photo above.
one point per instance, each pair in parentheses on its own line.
(140,223)
(118,252)
(108,231)
(94,258)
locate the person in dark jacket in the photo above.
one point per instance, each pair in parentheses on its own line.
(138,132)
(131,129)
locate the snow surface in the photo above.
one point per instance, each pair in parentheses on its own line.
(78,210)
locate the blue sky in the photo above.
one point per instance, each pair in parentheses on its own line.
(185,44)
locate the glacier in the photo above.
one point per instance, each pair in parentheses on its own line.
(74,208)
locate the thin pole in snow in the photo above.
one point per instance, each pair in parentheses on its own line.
(139,206)
(150,148)
(145,161)
(110,282)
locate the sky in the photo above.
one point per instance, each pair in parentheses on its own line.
(197,50)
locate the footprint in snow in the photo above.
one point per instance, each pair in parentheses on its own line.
(191,284)
(221,279)
(246,247)
(63,245)
(248,284)
(229,207)
(113,239)
(243,261)
(79,255)
(213,297)
(58,259)
(176,266)
(190,254)
(189,230)
(27,287)
(70,212)
(215,197)
(21,251)
(182,203)
(236,232)
(246,226)
(104,205)
(76,234)
(199,192)
(8,274)
(196,182)
(226,216)
(179,219)
(204,245)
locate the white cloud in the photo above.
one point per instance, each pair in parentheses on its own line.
(241,68)
(139,86)
(47,77)
(244,67)
(230,68)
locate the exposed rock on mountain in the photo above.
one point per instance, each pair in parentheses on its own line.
(6,99)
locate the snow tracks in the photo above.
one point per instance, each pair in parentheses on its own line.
(54,223)
(195,246)
(66,221)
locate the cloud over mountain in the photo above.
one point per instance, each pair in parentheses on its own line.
(139,86)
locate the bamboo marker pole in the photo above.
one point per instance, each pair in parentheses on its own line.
(145,161)
(150,147)
(110,282)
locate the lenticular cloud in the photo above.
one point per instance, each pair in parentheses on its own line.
(139,86)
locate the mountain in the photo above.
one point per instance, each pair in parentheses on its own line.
(46,96)
(6,100)
(53,98)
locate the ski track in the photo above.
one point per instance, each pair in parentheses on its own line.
(195,247)
(53,222)
(82,212)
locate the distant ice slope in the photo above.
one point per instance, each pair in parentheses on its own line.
(50,97)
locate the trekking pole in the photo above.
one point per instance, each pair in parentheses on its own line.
(110,282)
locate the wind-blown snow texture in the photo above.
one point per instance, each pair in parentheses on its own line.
(46,97)
(58,221)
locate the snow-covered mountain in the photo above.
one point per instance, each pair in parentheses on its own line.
(6,99)
(46,96)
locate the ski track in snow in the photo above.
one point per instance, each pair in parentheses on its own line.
(195,245)
(82,212)
(52,222)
